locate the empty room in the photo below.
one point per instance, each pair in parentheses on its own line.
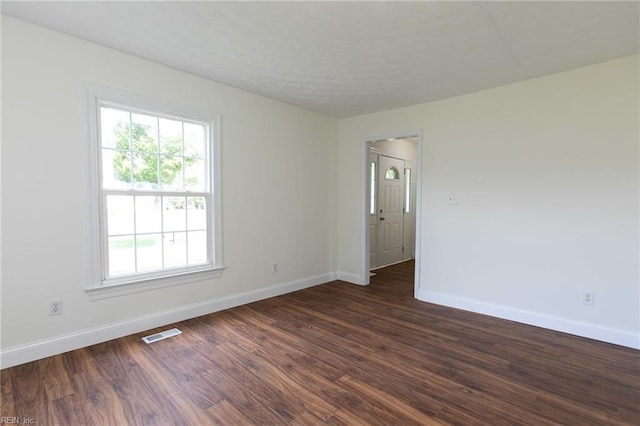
(306,213)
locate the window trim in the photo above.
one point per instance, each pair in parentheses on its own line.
(96,96)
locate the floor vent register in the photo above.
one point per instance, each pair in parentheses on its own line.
(161,336)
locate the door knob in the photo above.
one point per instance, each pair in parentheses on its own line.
(382,218)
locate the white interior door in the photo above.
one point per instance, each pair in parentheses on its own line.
(390,209)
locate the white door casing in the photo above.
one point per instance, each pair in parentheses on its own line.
(367,146)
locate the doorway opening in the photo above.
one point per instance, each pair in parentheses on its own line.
(392,208)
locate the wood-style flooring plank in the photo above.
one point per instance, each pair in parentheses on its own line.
(335,354)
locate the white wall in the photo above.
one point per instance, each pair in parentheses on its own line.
(557,212)
(278,194)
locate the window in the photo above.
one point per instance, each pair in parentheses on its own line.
(373,188)
(156,190)
(392,174)
(407,190)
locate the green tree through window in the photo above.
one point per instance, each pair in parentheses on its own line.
(149,165)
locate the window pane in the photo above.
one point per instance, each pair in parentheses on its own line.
(195,175)
(120,215)
(372,183)
(114,128)
(175,249)
(194,140)
(148,214)
(171,173)
(196,213)
(392,174)
(116,169)
(170,137)
(144,133)
(174,215)
(122,259)
(145,171)
(149,252)
(407,191)
(197,247)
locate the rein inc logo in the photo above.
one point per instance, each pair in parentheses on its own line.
(17,420)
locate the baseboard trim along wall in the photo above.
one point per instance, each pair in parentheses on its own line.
(33,351)
(576,328)
(349,278)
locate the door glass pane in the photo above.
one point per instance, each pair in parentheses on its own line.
(372,183)
(407,191)
(392,174)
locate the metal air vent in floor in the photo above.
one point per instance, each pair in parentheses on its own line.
(160,336)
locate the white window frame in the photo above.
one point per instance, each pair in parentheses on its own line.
(99,286)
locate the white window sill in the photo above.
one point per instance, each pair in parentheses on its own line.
(124,289)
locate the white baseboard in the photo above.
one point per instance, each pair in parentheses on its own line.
(350,278)
(591,331)
(41,349)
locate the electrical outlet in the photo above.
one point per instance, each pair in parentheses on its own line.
(588,297)
(275,267)
(452,199)
(55,307)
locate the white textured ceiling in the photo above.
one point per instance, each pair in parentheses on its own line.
(344,59)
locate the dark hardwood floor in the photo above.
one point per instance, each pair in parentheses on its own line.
(335,354)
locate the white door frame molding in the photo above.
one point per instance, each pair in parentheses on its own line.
(364,213)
